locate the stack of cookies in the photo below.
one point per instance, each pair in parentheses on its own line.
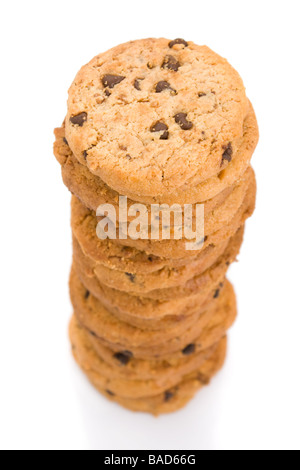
(160,123)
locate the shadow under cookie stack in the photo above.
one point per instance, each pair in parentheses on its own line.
(160,122)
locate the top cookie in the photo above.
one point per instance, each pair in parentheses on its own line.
(151,116)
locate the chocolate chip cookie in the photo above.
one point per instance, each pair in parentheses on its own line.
(109,330)
(170,400)
(92,190)
(148,118)
(119,381)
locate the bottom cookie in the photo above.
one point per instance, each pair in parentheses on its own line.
(174,398)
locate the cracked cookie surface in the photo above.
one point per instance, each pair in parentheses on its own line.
(150,118)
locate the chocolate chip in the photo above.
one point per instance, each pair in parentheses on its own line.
(92,333)
(170,63)
(217,294)
(201,94)
(163,85)
(131,276)
(107,93)
(110,393)
(227,155)
(137,84)
(123,357)
(150,259)
(189,349)
(79,119)
(87,294)
(110,81)
(181,119)
(168,396)
(65,141)
(85,154)
(160,126)
(164,136)
(178,41)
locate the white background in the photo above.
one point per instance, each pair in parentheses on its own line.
(45,402)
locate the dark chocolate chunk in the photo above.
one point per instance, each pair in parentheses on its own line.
(181,119)
(85,154)
(201,94)
(189,349)
(171,63)
(131,276)
(178,41)
(163,85)
(92,333)
(65,141)
(110,393)
(168,396)
(164,136)
(161,126)
(227,155)
(137,84)
(107,93)
(110,81)
(217,294)
(123,357)
(87,294)
(79,119)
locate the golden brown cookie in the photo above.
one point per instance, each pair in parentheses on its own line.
(108,253)
(116,378)
(121,336)
(143,283)
(92,191)
(95,317)
(218,320)
(177,249)
(111,254)
(124,366)
(204,282)
(217,211)
(170,400)
(149,314)
(149,140)
(214,218)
